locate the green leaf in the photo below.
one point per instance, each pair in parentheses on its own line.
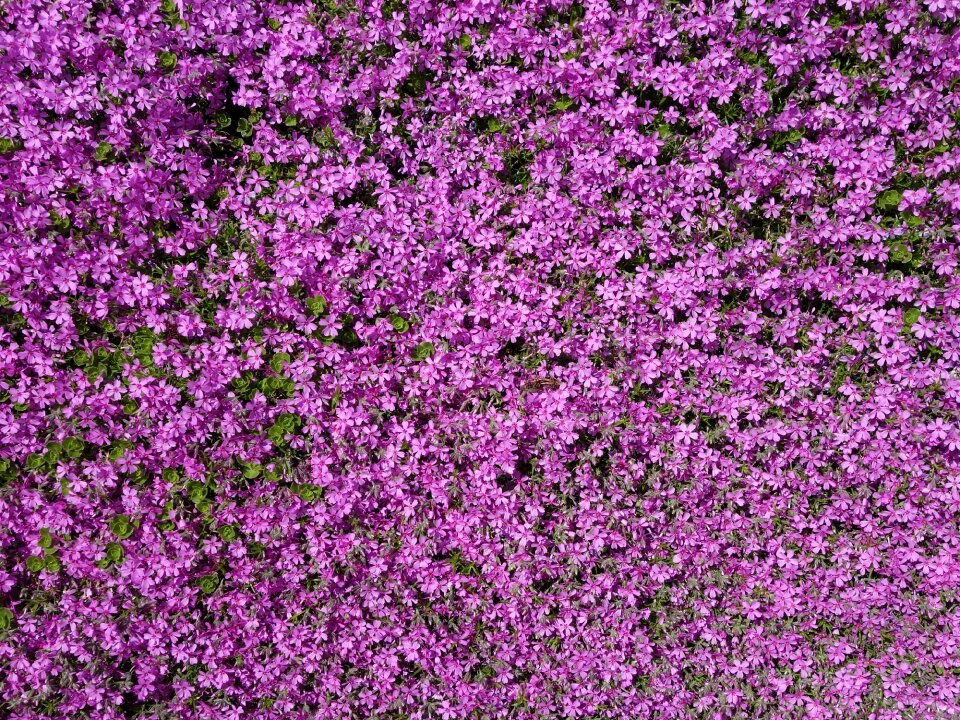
(325,138)
(168,7)
(35,461)
(122,526)
(196,491)
(119,450)
(307,492)
(889,200)
(6,619)
(288,421)
(35,563)
(348,337)
(274,386)
(104,152)
(9,145)
(73,447)
(278,361)
(209,583)
(53,455)
(46,539)
(399,323)
(422,351)
(115,553)
(900,253)
(277,435)
(227,533)
(167,60)
(142,344)
(910,318)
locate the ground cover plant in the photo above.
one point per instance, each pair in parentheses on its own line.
(479,359)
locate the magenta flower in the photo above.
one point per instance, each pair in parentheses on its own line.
(537,359)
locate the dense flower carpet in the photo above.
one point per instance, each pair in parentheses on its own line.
(489,359)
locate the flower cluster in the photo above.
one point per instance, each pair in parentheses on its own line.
(531,359)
